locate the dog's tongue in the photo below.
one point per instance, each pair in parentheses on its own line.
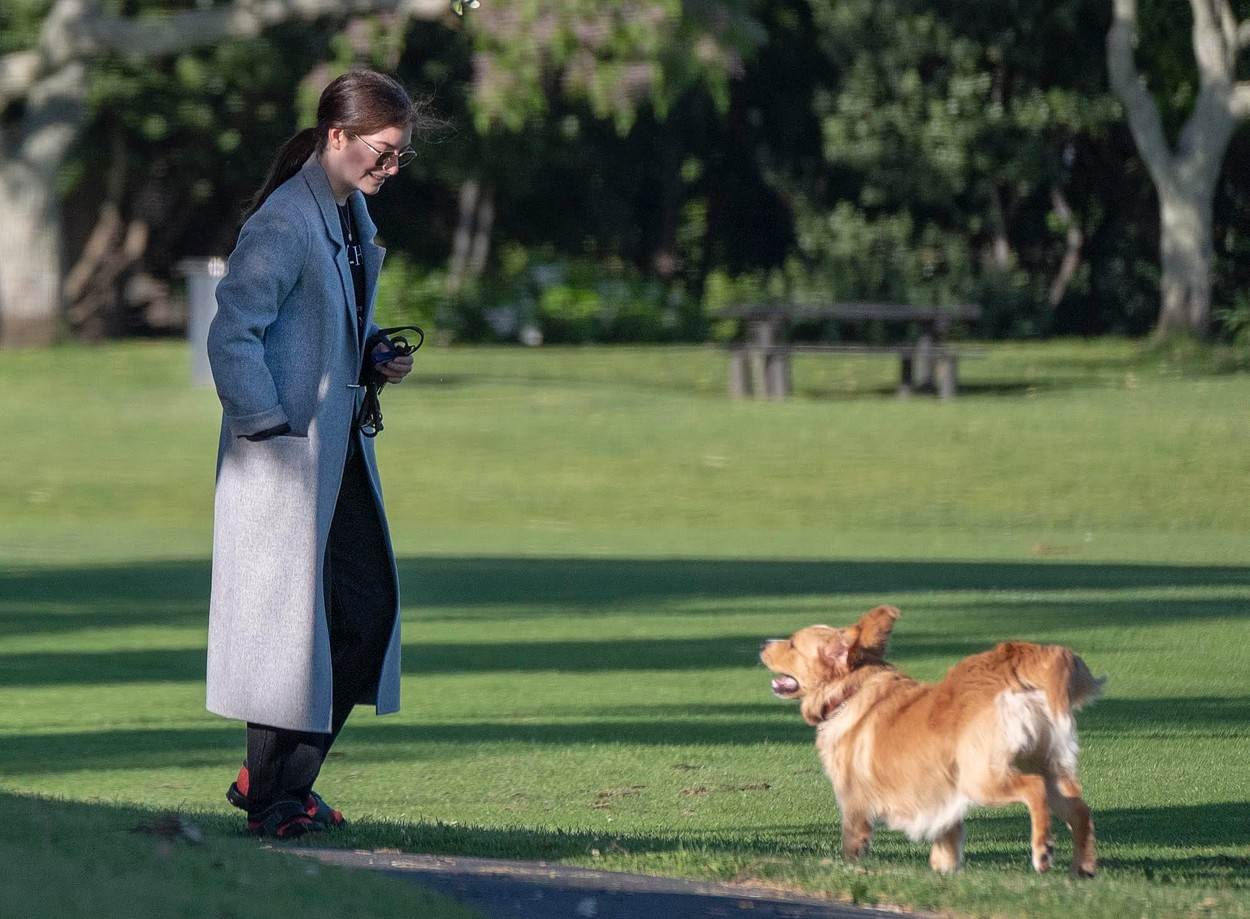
(785,684)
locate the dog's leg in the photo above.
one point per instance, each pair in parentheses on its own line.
(1064,796)
(1030,790)
(947,854)
(856,834)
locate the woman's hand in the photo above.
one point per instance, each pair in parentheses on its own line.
(396,368)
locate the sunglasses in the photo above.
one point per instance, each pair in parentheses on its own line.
(401,158)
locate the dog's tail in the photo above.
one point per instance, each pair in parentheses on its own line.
(1059,673)
(1066,683)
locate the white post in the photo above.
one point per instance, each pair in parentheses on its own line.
(202,275)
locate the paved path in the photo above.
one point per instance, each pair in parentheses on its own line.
(537,890)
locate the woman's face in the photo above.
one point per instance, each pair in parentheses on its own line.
(351,160)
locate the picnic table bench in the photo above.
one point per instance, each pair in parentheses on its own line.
(759,363)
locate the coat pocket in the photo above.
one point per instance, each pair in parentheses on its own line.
(275,477)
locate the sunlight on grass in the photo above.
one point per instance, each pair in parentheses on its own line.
(592,545)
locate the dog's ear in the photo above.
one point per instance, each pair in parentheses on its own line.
(836,653)
(874,630)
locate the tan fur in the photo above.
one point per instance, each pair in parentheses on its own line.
(997,729)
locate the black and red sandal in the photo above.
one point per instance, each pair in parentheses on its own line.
(284,819)
(322,813)
(314,805)
(236,794)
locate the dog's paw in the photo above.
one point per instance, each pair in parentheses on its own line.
(1044,858)
(854,851)
(944,862)
(1086,870)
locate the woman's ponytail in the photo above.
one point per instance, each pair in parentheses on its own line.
(288,162)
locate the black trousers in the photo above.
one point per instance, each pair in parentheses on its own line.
(360,604)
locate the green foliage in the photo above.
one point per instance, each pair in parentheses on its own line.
(675,149)
(1235,320)
(578,302)
(886,258)
(409,294)
(186,140)
(616,57)
(956,125)
(571,301)
(20,21)
(568,311)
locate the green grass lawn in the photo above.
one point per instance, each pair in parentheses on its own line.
(592,544)
(69,859)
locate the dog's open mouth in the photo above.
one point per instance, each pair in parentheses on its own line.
(785,686)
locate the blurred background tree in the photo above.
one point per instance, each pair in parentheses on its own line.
(1186,171)
(616,171)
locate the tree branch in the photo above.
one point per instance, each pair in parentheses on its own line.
(1239,103)
(1130,88)
(17,74)
(1073,240)
(1210,50)
(1228,29)
(1243,35)
(76,30)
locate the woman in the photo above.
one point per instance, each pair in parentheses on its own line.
(304,619)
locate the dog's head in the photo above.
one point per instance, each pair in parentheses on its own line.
(813,662)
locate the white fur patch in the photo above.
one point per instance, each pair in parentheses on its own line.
(931,824)
(1024,718)
(1063,745)
(1030,728)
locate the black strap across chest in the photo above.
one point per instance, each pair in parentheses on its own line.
(355,261)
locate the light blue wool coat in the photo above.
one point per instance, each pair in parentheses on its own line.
(283,348)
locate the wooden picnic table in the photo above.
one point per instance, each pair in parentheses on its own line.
(759,363)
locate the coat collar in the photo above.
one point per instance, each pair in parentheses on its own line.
(319,184)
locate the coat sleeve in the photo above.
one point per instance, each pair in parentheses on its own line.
(262,270)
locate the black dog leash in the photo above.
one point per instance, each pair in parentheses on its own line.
(369,421)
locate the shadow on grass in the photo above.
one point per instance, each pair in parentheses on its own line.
(435,838)
(77,668)
(1015,388)
(56,668)
(53,600)
(380,741)
(172,594)
(1001,838)
(67,859)
(998,840)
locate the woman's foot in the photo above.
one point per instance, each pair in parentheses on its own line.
(284,819)
(236,794)
(322,813)
(314,805)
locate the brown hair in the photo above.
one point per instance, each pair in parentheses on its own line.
(361,101)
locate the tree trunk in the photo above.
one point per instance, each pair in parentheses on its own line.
(462,242)
(485,222)
(30,256)
(1186,253)
(1000,243)
(42,99)
(1185,178)
(31,153)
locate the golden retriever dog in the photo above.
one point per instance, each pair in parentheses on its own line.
(997,729)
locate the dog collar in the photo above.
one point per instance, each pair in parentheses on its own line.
(832,708)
